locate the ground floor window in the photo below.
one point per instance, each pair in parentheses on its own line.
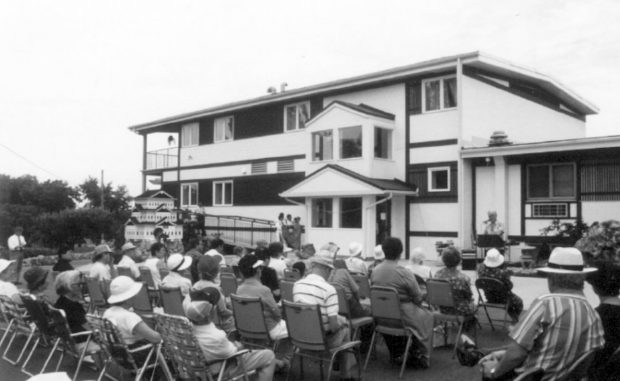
(189,194)
(351,212)
(222,193)
(322,212)
(551,181)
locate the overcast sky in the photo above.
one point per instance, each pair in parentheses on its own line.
(75,74)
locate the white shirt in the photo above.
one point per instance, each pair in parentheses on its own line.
(16,241)
(175,279)
(153,265)
(422,271)
(356,265)
(125,321)
(100,271)
(213,342)
(278,264)
(129,263)
(8,289)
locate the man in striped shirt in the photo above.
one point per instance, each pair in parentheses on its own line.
(557,329)
(314,289)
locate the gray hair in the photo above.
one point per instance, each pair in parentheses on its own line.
(65,281)
(417,255)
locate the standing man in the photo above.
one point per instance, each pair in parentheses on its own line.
(16,244)
(492,226)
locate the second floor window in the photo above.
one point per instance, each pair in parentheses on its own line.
(351,142)
(189,195)
(439,93)
(296,116)
(223,129)
(322,145)
(189,135)
(222,193)
(551,181)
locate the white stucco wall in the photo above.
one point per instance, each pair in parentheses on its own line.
(390,99)
(513,211)
(486,109)
(485,195)
(230,171)
(434,217)
(398,218)
(434,154)
(428,245)
(600,211)
(437,125)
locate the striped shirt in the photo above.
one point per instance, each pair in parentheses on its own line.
(314,289)
(555,331)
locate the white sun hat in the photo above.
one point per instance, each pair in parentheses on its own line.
(566,260)
(178,262)
(379,255)
(355,249)
(123,288)
(493,259)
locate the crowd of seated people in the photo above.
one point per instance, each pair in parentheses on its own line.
(263,268)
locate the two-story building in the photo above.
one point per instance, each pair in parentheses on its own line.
(402,152)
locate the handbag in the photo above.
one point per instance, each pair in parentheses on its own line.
(467,352)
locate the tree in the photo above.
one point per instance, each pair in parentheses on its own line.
(114,200)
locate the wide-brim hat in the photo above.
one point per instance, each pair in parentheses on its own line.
(324,258)
(566,260)
(102,249)
(128,246)
(493,258)
(4,264)
(123,288)
(379,254)
(355,249)
(178,262)
(35,276)
(199,311)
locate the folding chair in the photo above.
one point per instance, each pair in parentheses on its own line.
(147,277)
(185,352)
(286,290)
(363,284)
(141,304)
(19,325)
(306,331)
(109,339)
(579,369)
(98,298)
(492,289)
(440,295)
(343,309)
(163,273)
(65,342)
(125,271)
(37,313)
(388,319)
(228,283)
(252,329)
(171,300)
(292,275)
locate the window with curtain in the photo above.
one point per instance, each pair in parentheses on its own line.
(383,143)
(189,194)
(223,129)
(223,193)
(322,212)
(322,145)
(189,135)
(439,94)
(296,116)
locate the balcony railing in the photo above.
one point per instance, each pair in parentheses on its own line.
(162,158)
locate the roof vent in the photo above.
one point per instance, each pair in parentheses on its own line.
(272,90)
(499,138)
(283,86)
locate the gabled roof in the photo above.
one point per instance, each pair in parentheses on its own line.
(364,109)
(334,180)
(474,59)
(155,194)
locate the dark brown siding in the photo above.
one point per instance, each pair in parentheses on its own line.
(205,136)
(418,174)
(264,189)
(173,190)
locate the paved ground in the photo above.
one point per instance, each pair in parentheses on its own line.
(443,367)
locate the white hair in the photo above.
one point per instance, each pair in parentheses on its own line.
(417,255)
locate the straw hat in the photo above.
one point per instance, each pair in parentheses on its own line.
(4,264)
(379,255)
(128,246)
(493,259)
(566,260)
(178,262)
(123,288)
(323,257)
(355,249)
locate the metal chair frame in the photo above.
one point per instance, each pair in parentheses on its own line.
(19,324)
(343,309)
(171,300)
(251,328)
(97,294)
(306,332)
(147,278)
(364,285)
(286,290)
(38,314)
(482,285)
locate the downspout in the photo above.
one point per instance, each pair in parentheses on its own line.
(294,202)
(389,197)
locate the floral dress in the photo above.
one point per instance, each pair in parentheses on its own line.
(503,275)
(461,292)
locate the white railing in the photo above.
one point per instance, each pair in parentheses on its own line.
(162,158)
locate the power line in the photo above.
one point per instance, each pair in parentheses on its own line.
(29,161)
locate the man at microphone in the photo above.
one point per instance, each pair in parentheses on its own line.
(492,226)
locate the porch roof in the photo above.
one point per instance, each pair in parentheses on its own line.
(334,180)
(580,144)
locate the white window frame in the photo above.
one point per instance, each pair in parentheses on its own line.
(223,185)
(441,93)
(297,110)
(216,125)
(189,132)
(430,179)
(183,201)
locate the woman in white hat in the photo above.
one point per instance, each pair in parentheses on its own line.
(178,263)
(132,328)
(355,263)
(494,267)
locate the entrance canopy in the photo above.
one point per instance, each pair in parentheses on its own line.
(333,181)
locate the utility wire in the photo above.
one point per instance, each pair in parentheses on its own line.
(30,161)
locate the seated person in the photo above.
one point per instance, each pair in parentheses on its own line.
(156,261)
(558,327)
(102,264)
(7,272)
(177,263)
(209,271)
(417,266)
(37,281)
(251,269)
(126,260)
(341,276)
(239,252)
(277,261)
(64,262)
(269,276)
(300,267)
(494,267)
(379,257)
(216,346)
(355,263)
(133,330)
